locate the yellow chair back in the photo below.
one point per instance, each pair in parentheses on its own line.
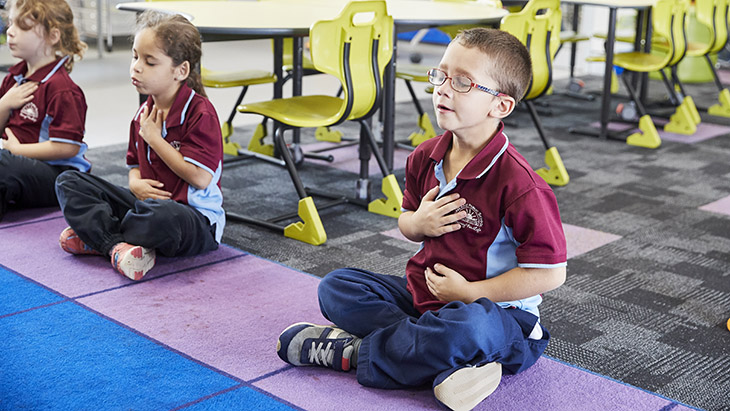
(355,47)
(537,26)
(713,14)
(669,21)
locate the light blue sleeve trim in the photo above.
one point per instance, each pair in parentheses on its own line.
(64,140)
(131,166)
(528,265)
(199,164)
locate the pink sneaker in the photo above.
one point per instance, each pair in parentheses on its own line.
(132,261)
(72,244)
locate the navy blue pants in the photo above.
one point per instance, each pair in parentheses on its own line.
(103,214)
(26,182)
(402,348)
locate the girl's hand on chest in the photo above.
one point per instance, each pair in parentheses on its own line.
(150,124)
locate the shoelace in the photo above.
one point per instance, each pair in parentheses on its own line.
(322,355)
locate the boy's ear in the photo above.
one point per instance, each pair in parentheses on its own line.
(504,107)
(182,71)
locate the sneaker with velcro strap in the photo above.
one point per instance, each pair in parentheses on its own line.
(305,344)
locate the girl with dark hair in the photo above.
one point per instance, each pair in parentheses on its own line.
(174,204)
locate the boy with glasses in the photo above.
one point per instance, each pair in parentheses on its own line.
(492,243)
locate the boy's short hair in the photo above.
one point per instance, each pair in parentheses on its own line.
(508,60)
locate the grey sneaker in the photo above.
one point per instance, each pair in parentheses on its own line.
(309,344)
(464,388)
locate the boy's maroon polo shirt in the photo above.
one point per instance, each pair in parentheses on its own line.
(512,217)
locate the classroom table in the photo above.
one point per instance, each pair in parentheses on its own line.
(613,6)
(280,19)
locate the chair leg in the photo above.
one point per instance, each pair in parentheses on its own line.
(310,229)
(328,134)
(686,98)
(389,206)
(648,136)
(555,172)
(229,147)
(256,144)
(684,119)
(722,108)
(426,130)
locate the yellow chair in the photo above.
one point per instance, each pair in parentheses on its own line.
(713,15)
(668,22)
(235,78)
(537,26)
(355,47)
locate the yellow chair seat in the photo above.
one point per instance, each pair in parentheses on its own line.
(224,79)
(694,48)
(299,111)
(640,62)
(412,72)
(572,37)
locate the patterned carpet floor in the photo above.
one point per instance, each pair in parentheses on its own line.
(648,288)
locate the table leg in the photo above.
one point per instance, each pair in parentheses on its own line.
(606,98)
(388,107)
(297,74)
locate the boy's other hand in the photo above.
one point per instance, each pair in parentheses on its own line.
(437,217)
(12,142)
(150,123)
(447,284)
(144,188)
(18,95)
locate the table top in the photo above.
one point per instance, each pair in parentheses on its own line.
(270,18)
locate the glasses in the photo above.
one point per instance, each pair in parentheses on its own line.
(460,84)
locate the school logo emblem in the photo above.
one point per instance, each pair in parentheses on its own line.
(176,145)
(473,218)
(29,112)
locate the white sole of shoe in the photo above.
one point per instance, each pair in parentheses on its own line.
(467,387)
(136,264)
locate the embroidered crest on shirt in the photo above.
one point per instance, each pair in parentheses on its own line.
(176,145)
(473,217)
(29,112)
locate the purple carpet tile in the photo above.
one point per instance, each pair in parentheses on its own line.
(721,206)
(705,131)
(227,315)
(582,240)
(548,385)
(346,158)
(15,217)
(614,126)
(395,233)
(73,275)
